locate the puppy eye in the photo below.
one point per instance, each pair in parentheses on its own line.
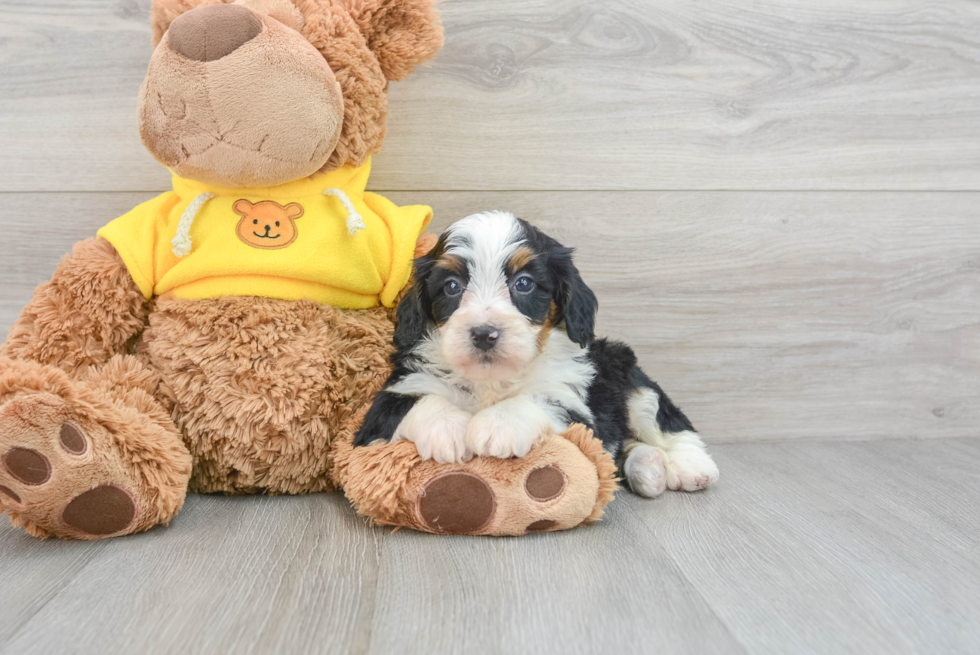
(255,221)
(277,223)
(452,287)
(524,284)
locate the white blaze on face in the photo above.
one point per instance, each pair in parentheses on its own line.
(486,242)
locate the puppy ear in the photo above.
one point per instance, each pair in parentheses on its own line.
(401,33)
(573,297)
(426,242)
(413,317)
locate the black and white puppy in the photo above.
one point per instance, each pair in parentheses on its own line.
(495,350)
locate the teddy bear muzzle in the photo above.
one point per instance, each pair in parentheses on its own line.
(202,114)
(213,31)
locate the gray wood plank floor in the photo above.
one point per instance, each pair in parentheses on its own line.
(806,547)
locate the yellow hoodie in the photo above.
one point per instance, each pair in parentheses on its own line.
(322,238)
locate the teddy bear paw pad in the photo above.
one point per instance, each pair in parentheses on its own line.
(72,439)
(101,511)
(9,493)
(545,483)
(457,503)
(51,476)
(27,465)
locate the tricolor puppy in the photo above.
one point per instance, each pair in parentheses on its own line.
(495,350)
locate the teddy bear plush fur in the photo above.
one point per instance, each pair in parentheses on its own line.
(116,400)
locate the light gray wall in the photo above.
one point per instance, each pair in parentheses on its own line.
(777,203)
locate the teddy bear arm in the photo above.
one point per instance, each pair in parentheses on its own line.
(90,310)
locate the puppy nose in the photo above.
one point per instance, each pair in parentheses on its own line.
(484,336)
(211,32)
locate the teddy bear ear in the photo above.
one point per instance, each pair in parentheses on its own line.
(163,12)
(401,33)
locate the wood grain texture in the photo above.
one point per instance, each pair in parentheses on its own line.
(606,588)
(766,316)
(810,547)
(244,575)
(835,548)
(33,573)
(565,94)
(786,315)
(827,318)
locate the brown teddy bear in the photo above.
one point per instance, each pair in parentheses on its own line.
(227,336)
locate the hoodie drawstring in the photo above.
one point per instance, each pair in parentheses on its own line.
(182,240)
(354,221)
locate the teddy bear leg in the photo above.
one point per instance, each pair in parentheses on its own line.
(87,458)
(563,482)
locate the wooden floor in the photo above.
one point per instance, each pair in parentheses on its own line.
(778,205)
(810,547)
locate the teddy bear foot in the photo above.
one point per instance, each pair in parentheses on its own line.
(460,502)
(42,453)
(55,477)
(563,482)
(76,467)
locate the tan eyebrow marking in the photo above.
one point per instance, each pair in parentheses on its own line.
(451,263)
(520,259)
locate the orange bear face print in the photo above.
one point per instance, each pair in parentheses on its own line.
(267,224)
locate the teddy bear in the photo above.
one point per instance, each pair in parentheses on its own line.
(227,336)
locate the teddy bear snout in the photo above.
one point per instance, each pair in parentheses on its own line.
(235,98)
(214,31)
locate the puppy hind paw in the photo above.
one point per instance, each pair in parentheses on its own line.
(646,471)
(690,468)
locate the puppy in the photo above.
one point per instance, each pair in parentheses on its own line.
(495,350)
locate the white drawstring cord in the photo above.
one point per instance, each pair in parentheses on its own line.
(182,241)
(354,221)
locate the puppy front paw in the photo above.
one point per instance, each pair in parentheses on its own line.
(438,430)
(500,431)
(445,439)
